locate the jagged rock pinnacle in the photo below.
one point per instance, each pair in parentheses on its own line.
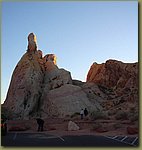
(32,43)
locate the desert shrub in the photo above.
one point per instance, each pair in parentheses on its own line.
(133,117)
(75,114)
(133,114)
(121,115)
(112,112)
(98,115)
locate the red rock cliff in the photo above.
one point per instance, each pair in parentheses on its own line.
(114,73)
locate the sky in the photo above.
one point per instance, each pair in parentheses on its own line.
(78,33)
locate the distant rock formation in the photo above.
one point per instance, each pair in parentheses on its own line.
(117,80)
(114,73)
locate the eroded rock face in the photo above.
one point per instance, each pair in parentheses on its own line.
(114,73)
(55,77)
(25,88)
(118,82)
(66,100)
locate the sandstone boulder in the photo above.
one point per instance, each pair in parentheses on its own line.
(72,126)
(132,130)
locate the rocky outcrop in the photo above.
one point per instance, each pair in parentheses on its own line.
(114,73)
(55,77)
(116,78)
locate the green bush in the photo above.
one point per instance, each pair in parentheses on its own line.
(98,115)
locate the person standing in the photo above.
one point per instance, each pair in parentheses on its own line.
(40,123)
(85,112)
(81,113)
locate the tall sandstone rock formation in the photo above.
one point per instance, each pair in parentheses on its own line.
(25,88)
(39,88)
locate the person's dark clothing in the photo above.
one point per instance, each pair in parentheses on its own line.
(85,112)
(40,123)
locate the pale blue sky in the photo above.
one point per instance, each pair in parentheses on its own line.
(78,33)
